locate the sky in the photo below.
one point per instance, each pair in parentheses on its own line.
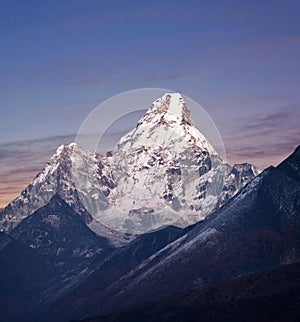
(60,59)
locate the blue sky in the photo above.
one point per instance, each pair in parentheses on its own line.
(238,59)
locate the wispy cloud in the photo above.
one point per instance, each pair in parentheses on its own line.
(264,139)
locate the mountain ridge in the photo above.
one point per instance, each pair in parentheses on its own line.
(257,230)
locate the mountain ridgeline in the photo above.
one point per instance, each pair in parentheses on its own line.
(160,229)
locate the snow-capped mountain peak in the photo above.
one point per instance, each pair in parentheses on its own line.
(63,148)
(170,106)
(167,124)
(164,169)
(163,172)
(57,178)
(61,156)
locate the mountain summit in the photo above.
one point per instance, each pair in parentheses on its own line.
(167,122)
(170,104)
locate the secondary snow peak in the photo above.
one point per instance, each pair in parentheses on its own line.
(63,147)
